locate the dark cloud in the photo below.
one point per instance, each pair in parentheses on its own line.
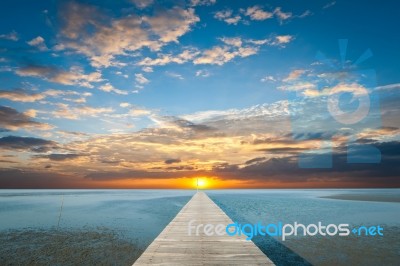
(16,178)
(285,140)
(186,124)
(176,131)
(285,150)
(6,161)
(390,129)
(73,76)
(286,169)
(111,161)
(226,167)
(11,119)
(138,174)
(190,125)
(27,144)
(60,156)
(21,96)
(171,161)
(37,70)
(389,149)
(181,168)
(255,160)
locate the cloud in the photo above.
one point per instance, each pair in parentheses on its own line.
(295,74)
(309,89)
(164,59)
(141,4)
(74,113)
(219,55)
(267,78)
(66,95)
(120,73)
(299,86)
(141,79)
(21,96)
(305,14)
(260,169)
(286,170)
(39,43)
(147,69)
(281,40)
(27,143)
(202,73)
(172,161)
(60,156)
(255,160)
(227,16)
(202,2)
(174,75)
(109,88)
(139,112)
(24,96)
(124,105)
(393,86)
(13,120)
(282,16)
(108,38)
(215,56)
(182,125)
(266,111)
(275,40)
(31,113)
(256,13)
(74,76)
(140,174)
(75,16)
(354,88)
(328,5)
(254,142)
(232,41)
(173,23)
(12,36)
(91,111)
(29,178)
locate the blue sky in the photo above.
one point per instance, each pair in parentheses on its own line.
(78,78)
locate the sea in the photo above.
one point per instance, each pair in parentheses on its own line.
(56,227)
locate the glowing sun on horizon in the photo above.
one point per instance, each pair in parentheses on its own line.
(200,182)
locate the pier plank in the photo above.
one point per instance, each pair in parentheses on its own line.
(174,245)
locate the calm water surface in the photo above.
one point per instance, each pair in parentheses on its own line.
(141,215)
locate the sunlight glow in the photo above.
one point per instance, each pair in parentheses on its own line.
(201,182)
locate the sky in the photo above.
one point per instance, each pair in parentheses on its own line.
(241,94)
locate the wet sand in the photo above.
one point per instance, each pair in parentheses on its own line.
(66,247)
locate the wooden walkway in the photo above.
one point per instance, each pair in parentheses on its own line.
(174,246)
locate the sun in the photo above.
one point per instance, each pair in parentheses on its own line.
(200,182)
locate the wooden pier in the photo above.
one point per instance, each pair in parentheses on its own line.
(174,246)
